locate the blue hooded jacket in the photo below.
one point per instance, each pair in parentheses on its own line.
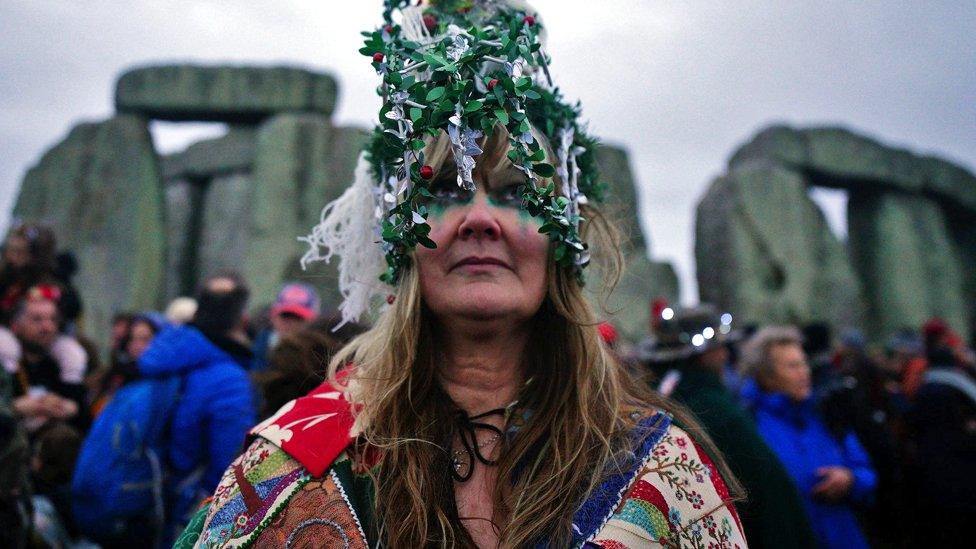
(799,437)
(210,422)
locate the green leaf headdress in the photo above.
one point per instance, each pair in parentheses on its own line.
(460,67)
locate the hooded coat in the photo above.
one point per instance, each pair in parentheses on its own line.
(210,421)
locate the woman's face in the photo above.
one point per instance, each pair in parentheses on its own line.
(490,261)
(139,339)
(790,372)
(16,252)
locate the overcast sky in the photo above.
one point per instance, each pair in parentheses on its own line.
(681,84)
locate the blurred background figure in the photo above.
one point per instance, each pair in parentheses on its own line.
(296,306)
(30,259)
(690,356)
(141,330)
(298,363)
(943,422)
(52,366)
(833,473)
(52,465)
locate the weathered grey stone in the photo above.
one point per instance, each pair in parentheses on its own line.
(836,157)
(231,153)
(642,281)
(901,247)
(100,190)
(226,218)
(764,251)
(184,203)
(621,200)
(302,162)
(223,93)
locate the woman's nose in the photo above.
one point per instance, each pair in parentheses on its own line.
(479,221)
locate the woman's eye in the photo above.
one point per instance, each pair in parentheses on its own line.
(507,196)
(447,192)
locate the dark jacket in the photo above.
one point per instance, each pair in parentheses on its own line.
(773,515)
(944,423)
(803,443)
(211,420)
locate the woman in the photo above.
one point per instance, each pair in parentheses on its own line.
(833,473)
(482,409)
(141,331)
(28,260)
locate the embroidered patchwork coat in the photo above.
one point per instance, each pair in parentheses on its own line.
(296,486)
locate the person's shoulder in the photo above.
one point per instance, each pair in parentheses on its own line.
(677,498)
(237,509)
(314,429)
(303,445)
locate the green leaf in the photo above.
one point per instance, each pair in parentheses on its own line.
(436,93)
(474,106)
(415,113)
(560,252)
(544,170)
(417,144)
(532,94)
(426,242)
(502,116)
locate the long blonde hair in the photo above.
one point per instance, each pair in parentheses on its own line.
(578,427)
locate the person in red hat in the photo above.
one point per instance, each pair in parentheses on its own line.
(297,305)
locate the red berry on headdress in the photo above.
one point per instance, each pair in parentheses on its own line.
(388,29)
(492,83)
(430,22)
(378,57)
(529,20)
(426,172)
(390,299)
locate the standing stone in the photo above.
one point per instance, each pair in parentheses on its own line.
(100,190)
(184,201)
(225,225)
(765,253)
(900,245)
(223,94)
(642,280)
(302,162)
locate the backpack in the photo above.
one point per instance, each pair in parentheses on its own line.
(119,474)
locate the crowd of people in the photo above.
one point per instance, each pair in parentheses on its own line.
(837,443)
(177,391)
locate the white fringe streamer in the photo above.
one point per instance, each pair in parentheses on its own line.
(348,229)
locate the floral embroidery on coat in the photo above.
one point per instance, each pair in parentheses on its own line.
(678,500)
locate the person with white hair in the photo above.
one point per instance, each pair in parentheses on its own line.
(832,473)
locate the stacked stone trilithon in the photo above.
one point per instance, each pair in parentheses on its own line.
(147,228)
(763,247)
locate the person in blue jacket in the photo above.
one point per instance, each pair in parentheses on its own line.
(216,406)
(833,474)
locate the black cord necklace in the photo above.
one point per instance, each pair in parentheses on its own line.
(467,427)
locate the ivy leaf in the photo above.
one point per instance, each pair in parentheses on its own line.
(426,242)
(532,94)
(436,93)
(417,144)
(502,116)
(415,113)
(474,106)
(544,170)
